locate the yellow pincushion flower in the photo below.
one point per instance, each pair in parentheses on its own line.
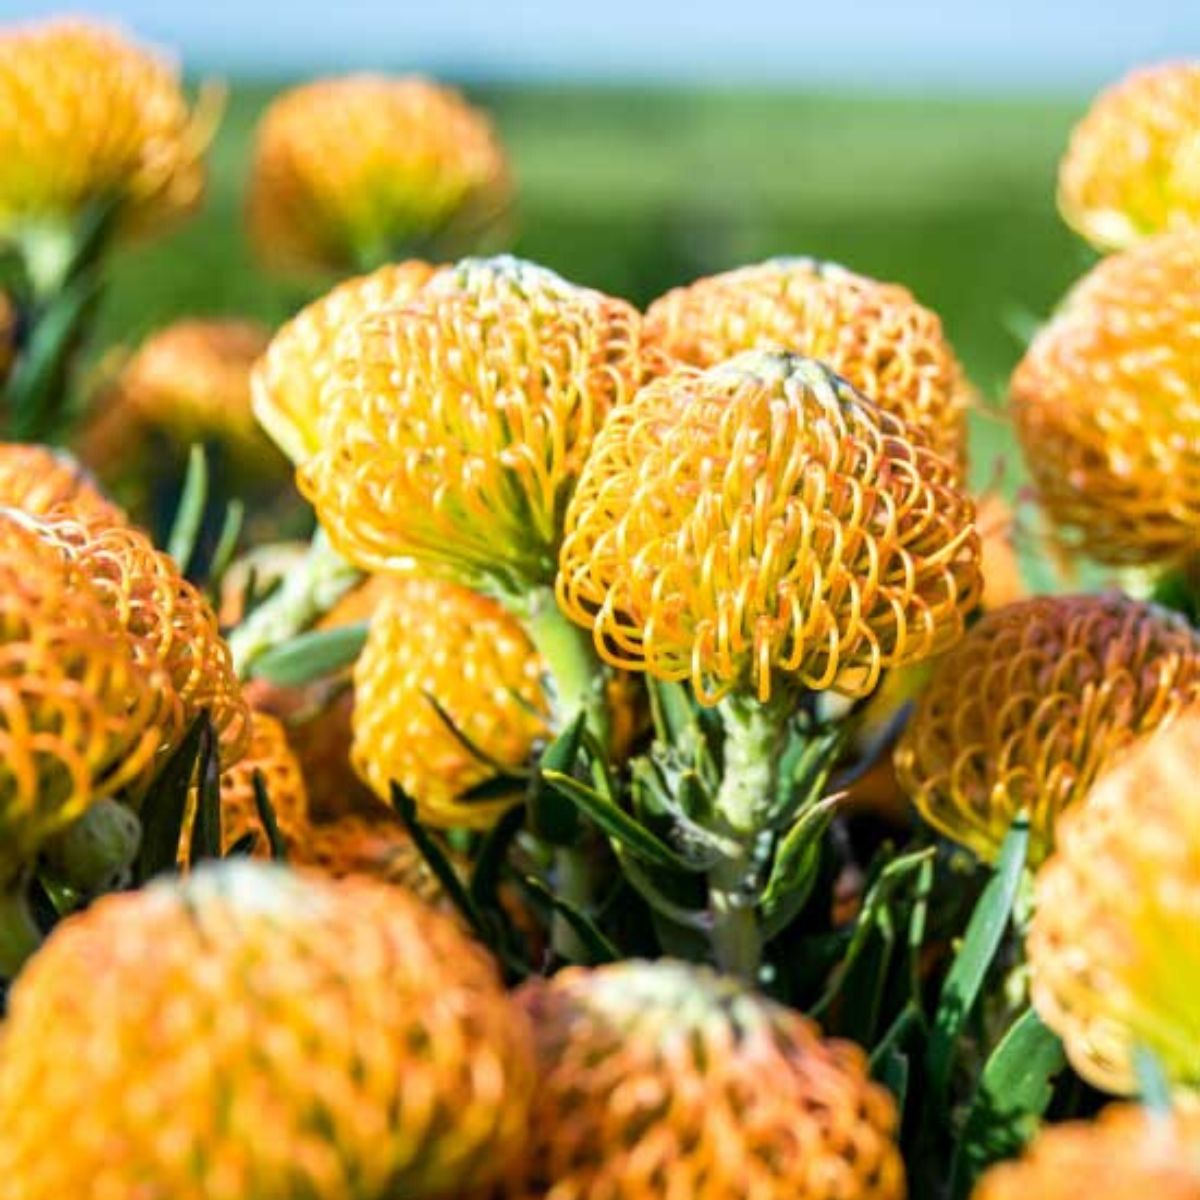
(248,1031)
(1133,166)
(1107,406)
(665,1079)
(87,115)
(79,717)
(288,379)
(354,171)
(453,429)
(1114,949)
(1032,704)
(39,481)
(1126,1153)
(432,639)
(762,521)
(875,335)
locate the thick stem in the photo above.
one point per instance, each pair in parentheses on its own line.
(19,934)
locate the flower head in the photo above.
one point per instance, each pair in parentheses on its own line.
(350,172)
(1107,405)
(762,521)
(1032,704)
(664,1079)
(288,379)
(1133,166)
(39,481)
(253,1032)
(875,335)
(86,115)
(1114,949)
(431,643)
(453,429)
(1126,1152)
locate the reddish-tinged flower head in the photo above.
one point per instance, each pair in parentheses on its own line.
(762,521)
(39,480)
(665,1079)
(354,171)
(875,335)
(1133,166)
(248,1031)
(87,115)
(431,641)
(289,378)
(1032,704)
(1114,948)
(453,429)
(1107,406)
(1126,1153)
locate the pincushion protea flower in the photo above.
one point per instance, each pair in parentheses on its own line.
(79,717)
(1032,704)
(86,115)
(288,379)
(1133,165)
(431,641)
(1114,948)
(664,1079)
(253,1032)
(1107,406)
(453,429)
(350,172)
(1126,1152)
(39,481)
(875,335)
(762,521)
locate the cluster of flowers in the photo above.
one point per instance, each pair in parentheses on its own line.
(625,591)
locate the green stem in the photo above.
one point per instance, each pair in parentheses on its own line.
(19,934)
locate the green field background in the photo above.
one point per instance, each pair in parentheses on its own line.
(633,191)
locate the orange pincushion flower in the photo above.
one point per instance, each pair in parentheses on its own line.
(169,623)
(39,480)
(875,335)
(1114,948)
(432,639)
(87,115)
(1125,1153)
(1107,405)
(249,1031)
(761,521)
(1032,704)
(665,1079)
(350,172)
(288,379)
(78,716)
(1133,165)
(453,429)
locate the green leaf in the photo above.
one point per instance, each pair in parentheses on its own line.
(310,656)
(551,817)
(1013,1092)
(227,543)
(894,1071)
(1154,1088)
(615,822)
(563,753)
(598,947)
(189,515)
(206,825)
(484,888)
(980,943)
(670,710)
(165,806)
(795,868)
(266,815)
(471,747)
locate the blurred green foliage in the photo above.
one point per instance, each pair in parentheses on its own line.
(635,190)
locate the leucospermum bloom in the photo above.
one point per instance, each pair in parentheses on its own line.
(665,1079)
(762,521)
(86,115)
(1133,165)
(289,377)
(1032,704)
(39,480)
(430,639)
(289,1036)
(1107,406)
(1126,1152)
(79,716)
(1114,949)
(355,171)
(875,335)
(453,429)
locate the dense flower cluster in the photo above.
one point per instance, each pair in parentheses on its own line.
(40,481)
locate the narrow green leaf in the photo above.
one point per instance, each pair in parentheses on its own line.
(980,943)
(563,753)
(893,1073)
(489,863)
(266,814)
(206,825)
(1154,1088)
(310,656)
(598,947)
(165,807)
(244,846)
(795,868)
(471,747)
(189,515)
(227,543)
(670,710)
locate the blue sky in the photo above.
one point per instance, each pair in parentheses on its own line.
(918,44)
